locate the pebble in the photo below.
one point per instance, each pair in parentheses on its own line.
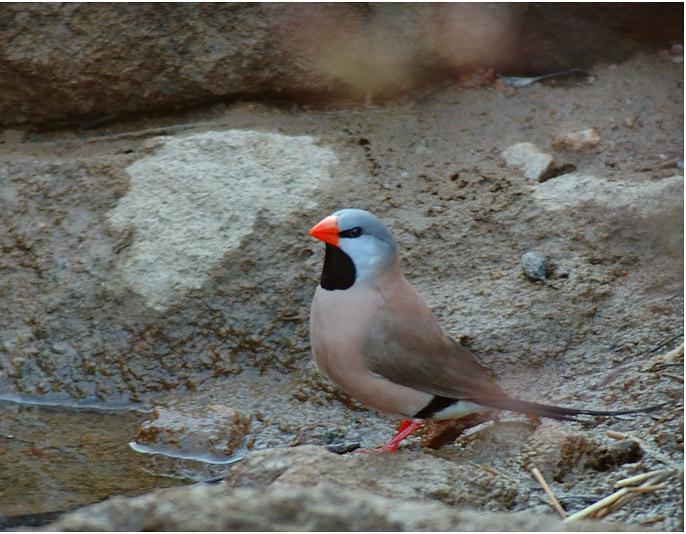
(534,163)
(213,430)
(578,141)
(535,266)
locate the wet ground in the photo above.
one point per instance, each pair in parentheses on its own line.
(54,459)
(57,458)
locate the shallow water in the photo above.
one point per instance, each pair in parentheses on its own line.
(56,458)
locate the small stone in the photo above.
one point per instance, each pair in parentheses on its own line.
(676,53)
(535,266)
(214,430)
(676,50)
(534,163)
(578,141)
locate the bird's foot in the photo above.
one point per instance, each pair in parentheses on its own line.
(406,428)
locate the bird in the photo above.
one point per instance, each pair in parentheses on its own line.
(374,336)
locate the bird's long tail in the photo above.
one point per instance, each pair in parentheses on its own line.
(557,412)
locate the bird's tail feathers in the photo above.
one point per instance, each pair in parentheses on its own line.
(557,412)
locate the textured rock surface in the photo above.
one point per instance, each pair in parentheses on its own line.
(405,475)
(118,240)
(101,62)
(294,490)
(644,198)
(321,508)
(94,63)
(533,162)
(196,197)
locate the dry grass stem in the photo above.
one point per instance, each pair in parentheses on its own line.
(664,418)
(615,435)
(549,492)
(673,355)
(648,489)
(597,506)
(636,479)
(618,498)
(670,356)
(652,520)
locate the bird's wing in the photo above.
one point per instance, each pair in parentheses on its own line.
(407,346)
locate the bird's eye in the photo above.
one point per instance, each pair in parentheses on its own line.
(352,232)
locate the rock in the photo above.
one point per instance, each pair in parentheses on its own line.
(96,63)
(535,266)
(645,198)
(562,454)
(424,475)
(67,62)
(136,262)
(622,452)
(577,451)
(534,163)
(306,502)
(295,508)
(556,451)
(195,198)
(578,141)
(583,36)
(213,431)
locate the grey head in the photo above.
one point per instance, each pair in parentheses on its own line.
(362,250)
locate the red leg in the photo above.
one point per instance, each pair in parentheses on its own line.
(404,424)
(405,429)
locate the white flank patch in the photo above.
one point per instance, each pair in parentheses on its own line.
(198,196)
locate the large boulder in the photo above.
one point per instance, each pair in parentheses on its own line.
(92,63)
(58,62)
(309,489)
(99,253)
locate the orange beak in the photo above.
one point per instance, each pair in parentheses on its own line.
(327,230)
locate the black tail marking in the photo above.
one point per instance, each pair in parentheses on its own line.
(437,404)
(557,412)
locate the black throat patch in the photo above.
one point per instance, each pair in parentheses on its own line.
(339,269)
